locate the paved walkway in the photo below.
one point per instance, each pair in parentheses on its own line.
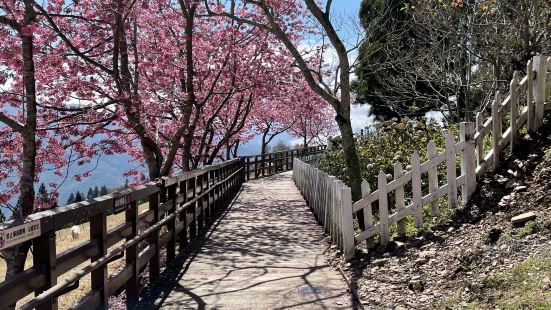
(266,253)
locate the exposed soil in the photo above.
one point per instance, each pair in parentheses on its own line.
(449,265)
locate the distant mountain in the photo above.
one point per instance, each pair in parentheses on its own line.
(110,169)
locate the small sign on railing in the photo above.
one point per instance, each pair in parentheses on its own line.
(121,203)
(18,234)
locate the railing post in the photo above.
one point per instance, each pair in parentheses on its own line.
(531,118)
(154,262)
(368,213)
(171,225)
(468,160)
(199,205)
(132,253)
(193,207)
(98,232)
(451,170)
(514,95)
(269,164)
(248,168)
(256,167)
(383,208)
(44,254)
(480,146)
(416,190)
(208,212)
(496,129)
(433,179)
(400,201)
(347,223)
(182,236)
(287,161)
(540,66)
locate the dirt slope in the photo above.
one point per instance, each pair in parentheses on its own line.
(477,259)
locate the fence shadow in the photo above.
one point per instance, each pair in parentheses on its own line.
(266,246)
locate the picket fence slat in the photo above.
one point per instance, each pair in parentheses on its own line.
(399,200)
(416,189)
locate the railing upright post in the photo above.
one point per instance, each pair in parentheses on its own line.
(132,287)
(347,223)
(98,232)
(540,66)
(193,206)
(468,160)
(256,167)
(496,129)
(514,95)
(44,254)
(199,205)
(532,124)
(451,172)
(182,236)
(171,225)
(247,170)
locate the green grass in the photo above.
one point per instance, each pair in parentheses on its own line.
(529,228)
(521,287)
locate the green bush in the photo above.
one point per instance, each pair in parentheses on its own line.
(384,145)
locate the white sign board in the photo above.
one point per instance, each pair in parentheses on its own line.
(18,234)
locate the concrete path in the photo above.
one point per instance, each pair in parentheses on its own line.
(266,253)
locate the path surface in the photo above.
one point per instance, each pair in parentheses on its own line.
(266,253)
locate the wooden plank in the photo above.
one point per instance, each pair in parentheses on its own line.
(450,170)
(514,94)
(523,84)
(153,239)
(132,285)
(368,213)
(383,208)
(400,200)
(504,107)
(431,163)
(496,130)
(532,123)
(416,190)
(479,143)
(539,88)
(433,179)
(347,223)
(483,131)
(44,256)
(468,160)
(98,232)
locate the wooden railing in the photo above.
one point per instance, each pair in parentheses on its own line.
(259,166)
(525,105)
(180,207)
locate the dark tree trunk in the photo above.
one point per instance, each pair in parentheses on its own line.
(16,256)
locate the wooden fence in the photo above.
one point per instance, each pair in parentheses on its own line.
(259,166)
(179,209)
(327,197)
(525,105)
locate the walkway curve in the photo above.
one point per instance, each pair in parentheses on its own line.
(265,253)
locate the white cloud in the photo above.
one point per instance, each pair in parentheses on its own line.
(359,117)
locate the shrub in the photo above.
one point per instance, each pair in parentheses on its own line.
(384,145)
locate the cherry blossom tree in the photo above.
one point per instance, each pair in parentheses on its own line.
(291,22)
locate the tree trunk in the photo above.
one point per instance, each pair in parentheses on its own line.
(352,161)
(16,256)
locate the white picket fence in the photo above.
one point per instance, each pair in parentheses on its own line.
(328,197)
(331,200)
